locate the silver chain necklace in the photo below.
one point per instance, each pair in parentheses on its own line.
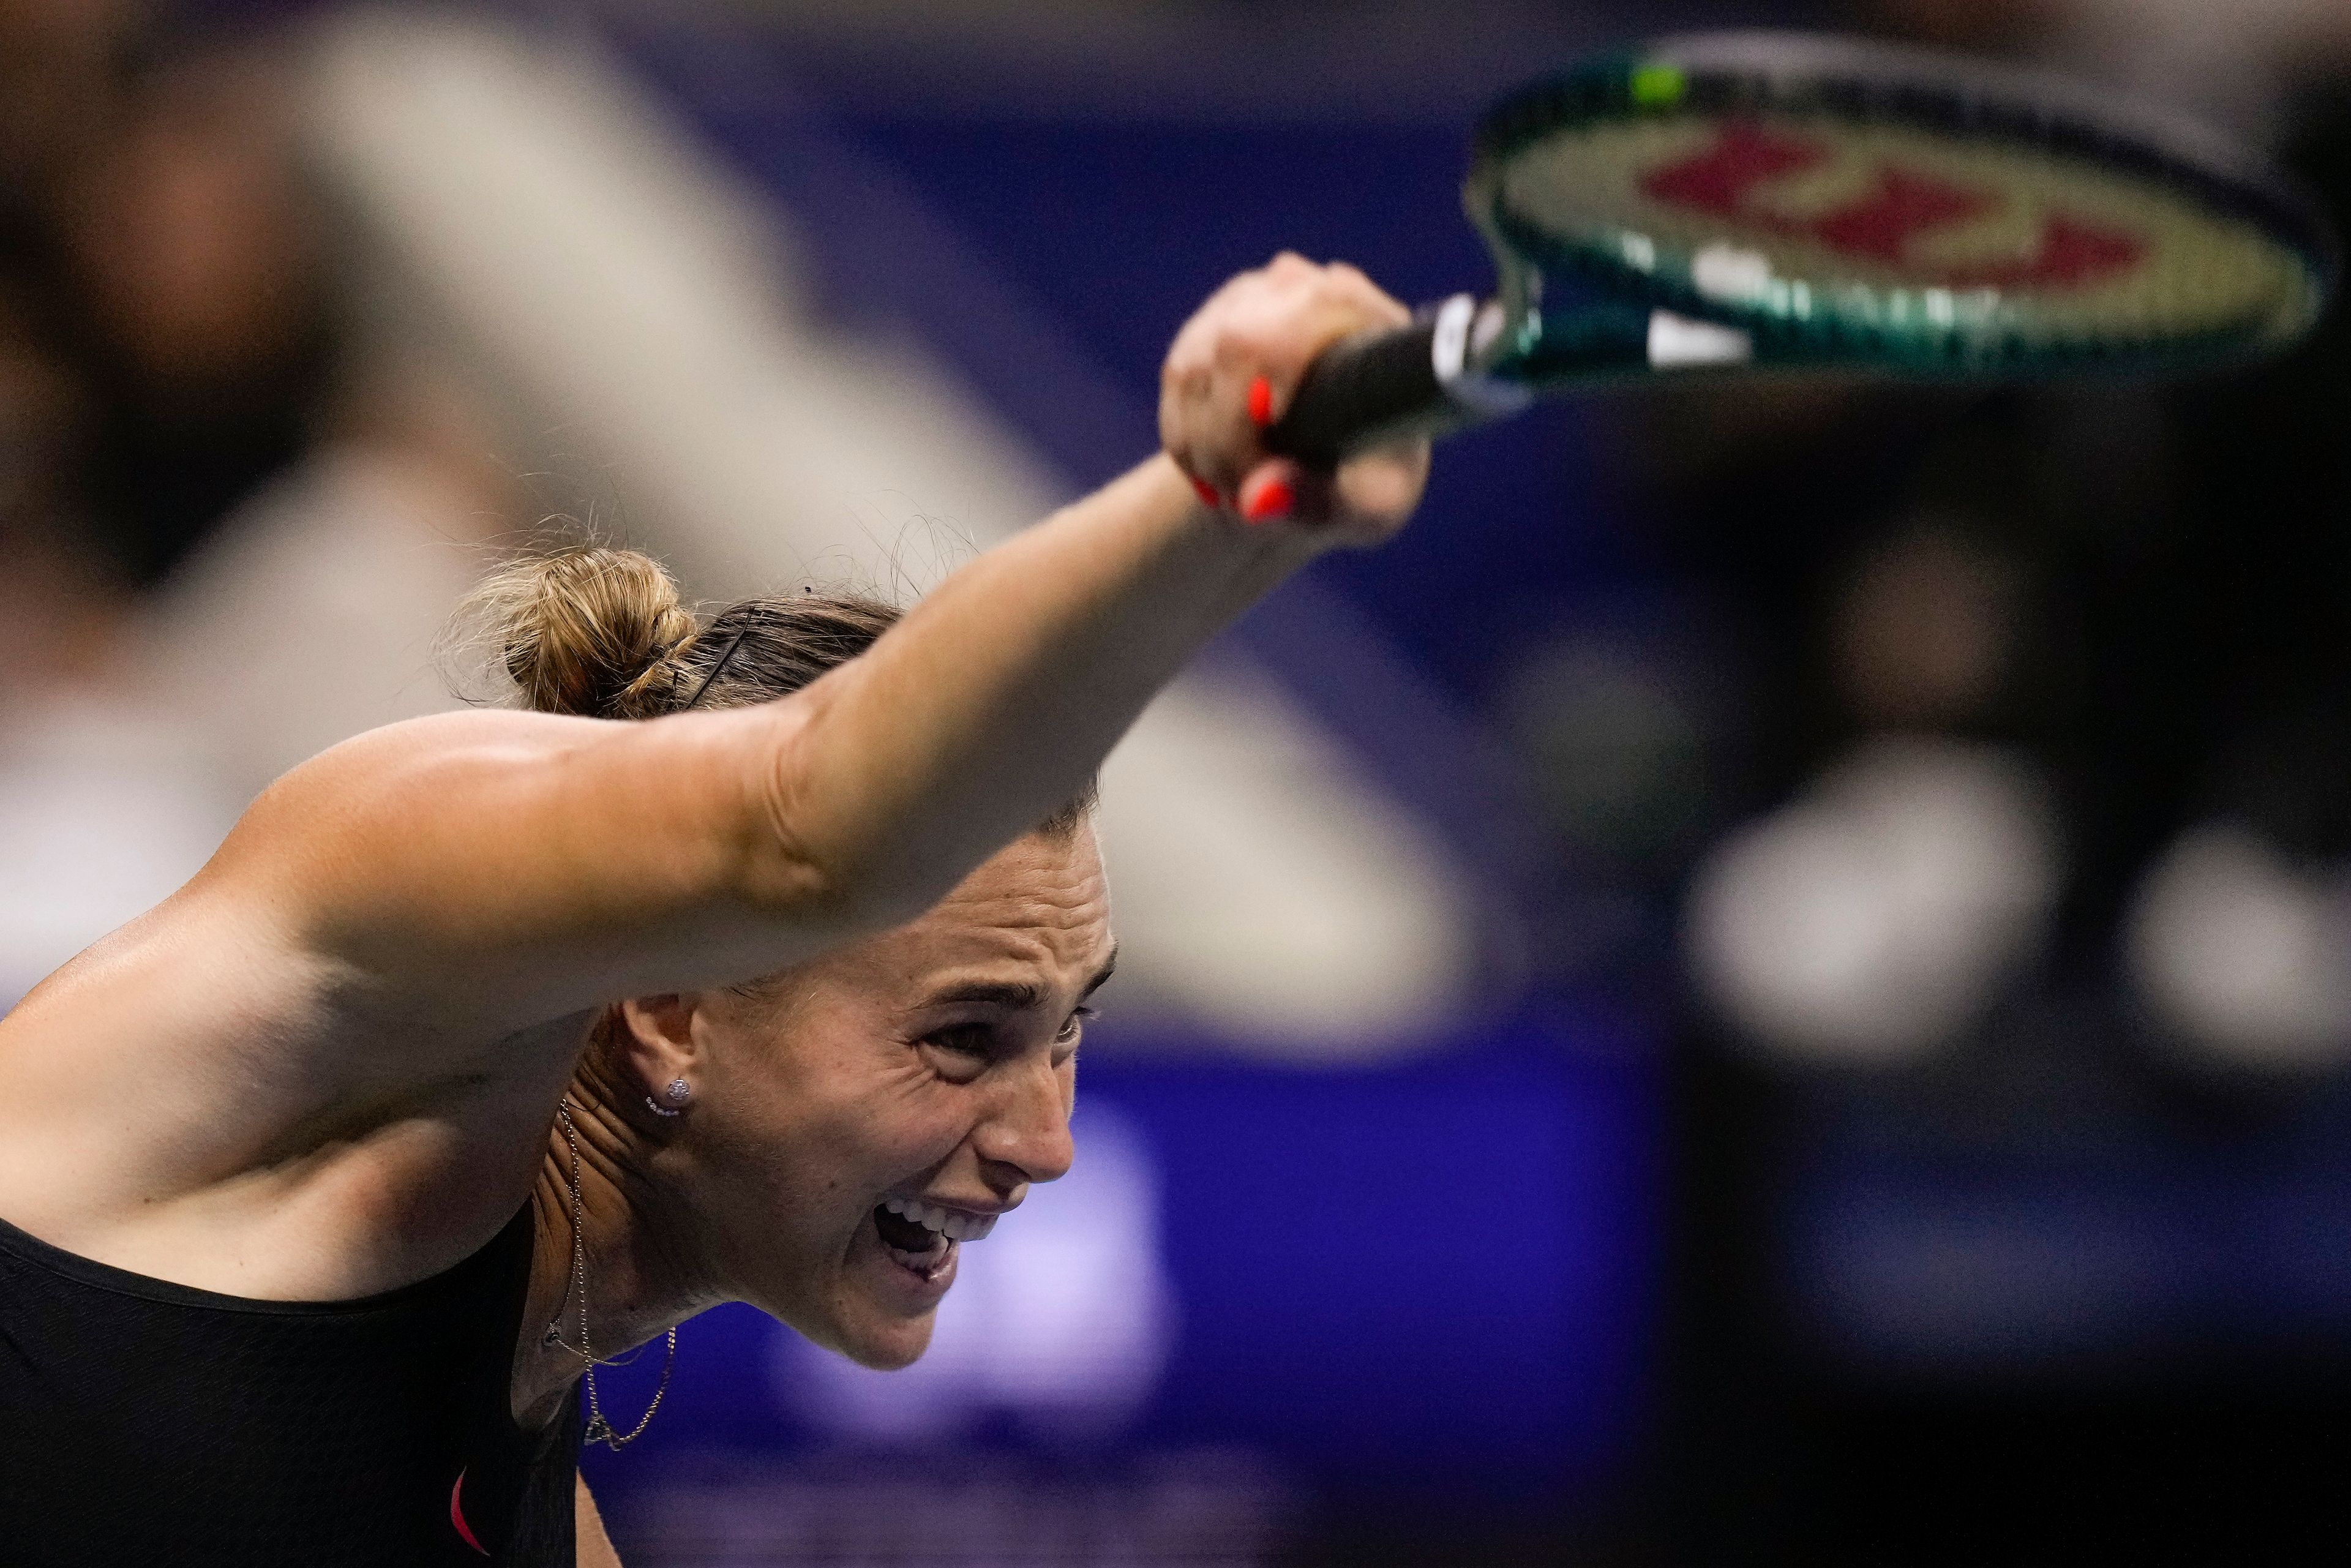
(599,1429)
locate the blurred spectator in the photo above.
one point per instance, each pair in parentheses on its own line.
(188,279)
(57,605)
(226,538)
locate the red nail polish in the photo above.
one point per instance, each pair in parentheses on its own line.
(1207,494)
(1260,395)
(1273,499)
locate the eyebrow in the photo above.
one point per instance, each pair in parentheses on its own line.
(1102,975)
(1016,995)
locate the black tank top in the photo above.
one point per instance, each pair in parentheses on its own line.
(143,1423)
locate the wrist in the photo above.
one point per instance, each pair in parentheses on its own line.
(1278,541)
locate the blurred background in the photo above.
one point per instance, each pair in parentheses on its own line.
(1772,985)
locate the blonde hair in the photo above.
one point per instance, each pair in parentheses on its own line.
(601,633)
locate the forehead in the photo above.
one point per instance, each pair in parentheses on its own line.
(1041,900)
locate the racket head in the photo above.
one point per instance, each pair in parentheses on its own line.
(1825,202)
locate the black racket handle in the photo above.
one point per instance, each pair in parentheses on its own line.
(1372,385)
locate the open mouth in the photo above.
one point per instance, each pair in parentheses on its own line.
(922,1237)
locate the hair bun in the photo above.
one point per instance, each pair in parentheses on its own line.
(589,630)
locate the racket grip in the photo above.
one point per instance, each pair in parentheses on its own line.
(1374,385)
(1398,382)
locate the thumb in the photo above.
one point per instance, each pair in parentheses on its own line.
(1381,486)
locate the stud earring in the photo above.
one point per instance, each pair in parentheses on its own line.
(678,1093)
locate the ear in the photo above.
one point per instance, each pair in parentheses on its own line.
(656,1042)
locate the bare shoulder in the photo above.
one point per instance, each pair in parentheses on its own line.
(410,774)
(413,753)
(213,1034)
(410,805)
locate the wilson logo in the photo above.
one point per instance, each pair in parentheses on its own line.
(1729,180)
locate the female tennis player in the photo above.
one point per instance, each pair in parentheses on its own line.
(495,1042)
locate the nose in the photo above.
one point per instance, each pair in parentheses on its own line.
(1025,1136)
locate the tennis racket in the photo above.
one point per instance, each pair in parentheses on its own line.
(1761,201)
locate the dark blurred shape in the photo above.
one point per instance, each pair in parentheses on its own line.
(59,61)
(1980,27)
(2268,460)
(57,603)
(2240,925)
(1925,631)
(1620,739)
(164,254)
(2070,1287)
(187,285)
(40,407)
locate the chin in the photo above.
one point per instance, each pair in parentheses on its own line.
(886,1346)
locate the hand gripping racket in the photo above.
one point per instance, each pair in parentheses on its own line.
(1752,201)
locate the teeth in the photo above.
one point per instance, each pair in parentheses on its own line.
(954,1224)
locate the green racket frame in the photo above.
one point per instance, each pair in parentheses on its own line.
(1580,303)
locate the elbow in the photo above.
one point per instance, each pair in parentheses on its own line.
(823,868)
(836,895)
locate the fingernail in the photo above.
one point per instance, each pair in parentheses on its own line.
(1273,499)
(1207,494)
(1261,402)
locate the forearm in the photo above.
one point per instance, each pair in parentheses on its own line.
(998,696)
(519,866)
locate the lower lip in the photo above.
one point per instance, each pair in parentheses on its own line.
(924,1282)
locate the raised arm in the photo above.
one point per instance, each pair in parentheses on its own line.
(495,868)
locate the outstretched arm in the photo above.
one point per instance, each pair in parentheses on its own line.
(1006,688)
(495,868)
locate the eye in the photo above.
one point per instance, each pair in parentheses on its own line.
(1075,1027)
(974,1040)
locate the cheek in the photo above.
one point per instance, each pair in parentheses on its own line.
(912,1133)
(820,1140)
(778,1147)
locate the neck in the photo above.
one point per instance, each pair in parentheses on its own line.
(635,1246)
